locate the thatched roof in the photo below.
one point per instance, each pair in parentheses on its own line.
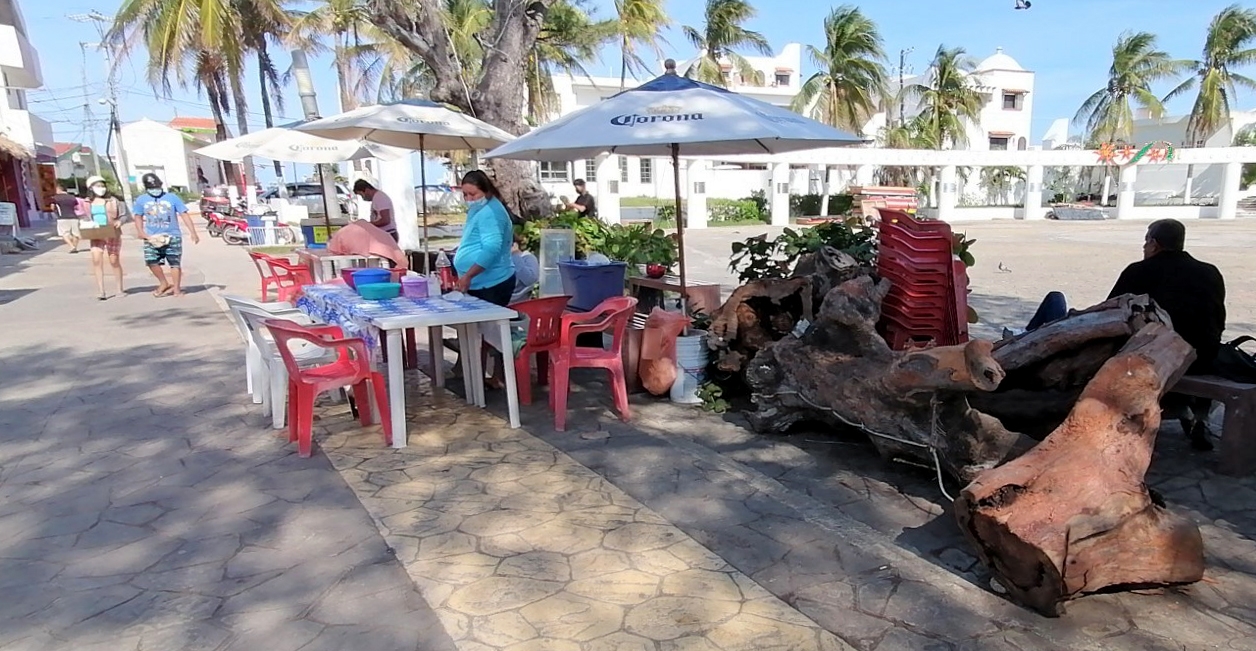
(11,148)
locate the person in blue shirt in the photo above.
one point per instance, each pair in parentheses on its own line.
(483,262)
(157,216)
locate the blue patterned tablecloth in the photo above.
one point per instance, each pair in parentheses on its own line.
(337,304)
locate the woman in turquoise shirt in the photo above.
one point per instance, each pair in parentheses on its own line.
(483,262)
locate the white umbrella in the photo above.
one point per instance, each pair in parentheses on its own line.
(668,116)
(415,124)
(285,143)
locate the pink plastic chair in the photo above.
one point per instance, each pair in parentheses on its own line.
(544,335)
(351,368)
(611,315)
(287,277)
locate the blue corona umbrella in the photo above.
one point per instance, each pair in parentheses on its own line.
(669,116)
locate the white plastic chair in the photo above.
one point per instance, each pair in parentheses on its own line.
(272,375)
(251,354)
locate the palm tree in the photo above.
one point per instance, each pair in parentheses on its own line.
(569,38)
(720,37)
(1137,63)
(640,22)
(851,78)
(197,44)
(948,99)
(999,180)
(348,23)
(1227,46)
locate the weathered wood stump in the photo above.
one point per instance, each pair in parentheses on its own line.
(842,372)
(1072,516)
(1048,368)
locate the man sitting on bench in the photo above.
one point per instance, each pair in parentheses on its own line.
(1193,293)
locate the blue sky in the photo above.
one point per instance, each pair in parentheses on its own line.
(1066,42)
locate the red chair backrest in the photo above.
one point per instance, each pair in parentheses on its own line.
(284,272)
(545,317)
(611,315)
(349,352)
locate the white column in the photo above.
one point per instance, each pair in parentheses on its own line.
(864,175)
(948,189)
(1228,206)
(825,188)
(1189,189)
(1125,192)
(696,204)
(608,188)
(1107,187)
(1033,193)
(778,194)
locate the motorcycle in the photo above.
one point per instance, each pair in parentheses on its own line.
(216,222)
(235,230)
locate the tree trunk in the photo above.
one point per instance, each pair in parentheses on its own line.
(1073,516)
(913,404)
(220,133)
(1047,368)
(263,61)
(242,123)
(498,96)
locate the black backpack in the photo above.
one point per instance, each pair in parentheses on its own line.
(1235,364)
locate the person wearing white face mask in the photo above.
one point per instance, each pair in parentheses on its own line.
(105,211)
(485,268)
(157,216)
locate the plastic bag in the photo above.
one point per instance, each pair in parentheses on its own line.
(658,350)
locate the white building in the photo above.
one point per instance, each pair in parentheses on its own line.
(1167,184)
(1006,116)
(23,135)
(168,151)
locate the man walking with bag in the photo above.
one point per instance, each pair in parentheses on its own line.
(157,217)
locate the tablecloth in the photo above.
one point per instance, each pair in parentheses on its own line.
(337,304)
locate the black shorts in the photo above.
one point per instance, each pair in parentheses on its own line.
(497,294)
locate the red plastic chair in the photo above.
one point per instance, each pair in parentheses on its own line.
(287,277)
(545,318)
(351,368)
(611,315)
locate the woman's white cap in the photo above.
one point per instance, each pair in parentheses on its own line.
(93,180)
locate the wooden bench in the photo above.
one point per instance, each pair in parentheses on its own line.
(1238,433)
(704,297)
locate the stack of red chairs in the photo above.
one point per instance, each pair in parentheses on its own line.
(928,303)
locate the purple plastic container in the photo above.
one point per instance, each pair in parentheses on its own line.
(414,287)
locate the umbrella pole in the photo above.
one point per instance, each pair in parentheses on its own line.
(427,252)
(680,229)
(327,203)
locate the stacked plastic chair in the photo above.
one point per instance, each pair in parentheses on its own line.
(928,302)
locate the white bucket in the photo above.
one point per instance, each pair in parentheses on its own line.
(691,363)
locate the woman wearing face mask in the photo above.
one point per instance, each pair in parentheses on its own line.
(485,269)
(105,211)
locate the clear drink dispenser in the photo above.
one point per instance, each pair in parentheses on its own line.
(557,244)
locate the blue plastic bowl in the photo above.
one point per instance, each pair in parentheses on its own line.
(370,277)
(379,291)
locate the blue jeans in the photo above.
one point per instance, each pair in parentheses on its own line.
(1053,307)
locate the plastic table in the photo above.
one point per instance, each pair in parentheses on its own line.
(336,303)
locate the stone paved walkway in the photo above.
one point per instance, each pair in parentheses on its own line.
(142,503)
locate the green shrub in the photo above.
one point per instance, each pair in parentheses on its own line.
(758,257)
(733,211)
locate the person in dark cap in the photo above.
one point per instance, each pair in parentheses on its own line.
(157,217)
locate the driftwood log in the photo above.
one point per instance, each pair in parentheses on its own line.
(842,372)
(1046,369)
(1072,516)
(763,311)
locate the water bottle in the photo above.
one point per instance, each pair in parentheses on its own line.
(445,271)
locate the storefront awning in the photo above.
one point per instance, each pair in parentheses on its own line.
(10,148)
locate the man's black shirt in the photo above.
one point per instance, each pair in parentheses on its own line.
(1192,292)
(590,206)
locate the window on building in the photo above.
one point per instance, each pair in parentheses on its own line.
(1013,101)
(623,169)
(552,172)
(998,143)
(590,170)
(647,170)
(782,79)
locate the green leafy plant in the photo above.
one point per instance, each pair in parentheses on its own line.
(809,205)
(758,257)
(960,247)
(712,397)
(733,211)
(590,233)
(639,244)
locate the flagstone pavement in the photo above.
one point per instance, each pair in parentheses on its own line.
(145,504)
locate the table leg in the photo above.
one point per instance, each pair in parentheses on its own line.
(477,362)
(465,363)
(512,386)
(396,388)
(436,351)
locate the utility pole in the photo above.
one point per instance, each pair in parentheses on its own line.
(89,119)
(309,105)
(902,101)
(122,171)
